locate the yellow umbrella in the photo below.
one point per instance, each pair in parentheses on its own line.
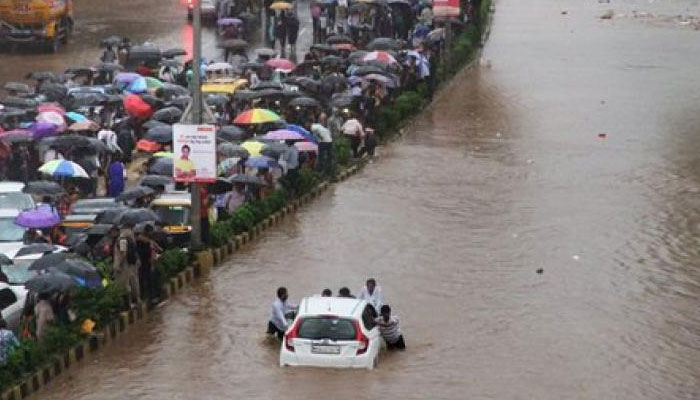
(281,5)
(253,147)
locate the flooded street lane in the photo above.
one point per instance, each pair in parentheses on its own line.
(504,174)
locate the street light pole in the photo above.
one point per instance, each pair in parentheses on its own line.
(196,233)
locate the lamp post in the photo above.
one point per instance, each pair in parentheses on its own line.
(196,233)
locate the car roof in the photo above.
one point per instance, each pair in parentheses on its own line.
(98,201)
(340,306)
(6,187)
(9,212)
(173,199)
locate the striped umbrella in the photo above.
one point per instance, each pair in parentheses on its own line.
(63,169)
(256,116)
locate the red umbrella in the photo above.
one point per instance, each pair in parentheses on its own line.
(280,63)
(136,107)
(147,146)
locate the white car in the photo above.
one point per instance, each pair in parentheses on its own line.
(11,196)
(11,235)
(12,301)
(332,332)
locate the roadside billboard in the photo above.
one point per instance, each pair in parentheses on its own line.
(194,153)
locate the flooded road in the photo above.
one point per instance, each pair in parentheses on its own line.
(506,173)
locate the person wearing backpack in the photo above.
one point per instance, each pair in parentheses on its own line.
(126,264)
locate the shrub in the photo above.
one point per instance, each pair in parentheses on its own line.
(307,180)
(172,262)
(101,305)
(220,232)
(342,154)
(408,103)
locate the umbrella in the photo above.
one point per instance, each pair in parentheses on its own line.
(124,79)
(135,106)
(76,117)
(153,83)
(381,79)
(42,76)
(17,136)
(232,150)
(304,82)
(217,100)
(384,44)
(170,89)
(225,166)
(5,260)
(35,248)
(274,150)
(334,39)
(51,117)
(261,162)
(174,52)
(366,69)
(53,91)
(345,47)
(162,166)
(67,141)
(281,64)
(436,35)
(169,115)
(63,169)
(304,102)
(110,215)
(37,218)
(17,87)
(283,134)
(160,134)
(281,5)
(302,131)
(220,186)
(268,85)
(134,193)
(233,44)
(138,86)
(109,67)
(110,41)
(99,229)
(86,125)
(148,146)
(256,116)
(218,66)
(306,146)
(84,273)
(153,123)
(133,216)
(180,102)
(154,181)
(380,56)
(86,99)
(230,133)
(51,107)
(43,188)
(167,154)
(254,148)
(266,52)
(342,100)
(18,102)
(53,281)
(246,179)
(47,261)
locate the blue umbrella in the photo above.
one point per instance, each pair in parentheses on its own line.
(261,162)
(300,130)
(76,117)
(138,86)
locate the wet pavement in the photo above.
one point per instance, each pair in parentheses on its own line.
(507,173)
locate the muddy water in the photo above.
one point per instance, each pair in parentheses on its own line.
(506,174)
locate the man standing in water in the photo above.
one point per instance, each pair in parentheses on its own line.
(277,324)
(389,329)
(372,293)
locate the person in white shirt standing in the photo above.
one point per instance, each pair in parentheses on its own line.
(373,294)
(277,324)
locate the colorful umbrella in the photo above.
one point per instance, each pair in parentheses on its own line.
(43,129)
(137,86)
(75,117)
(52,107)
(153,83)
(148,146)
(284,134)
(135,106)
(261,162)
(380,56)
(254,148)
(300,130)
(256,116)
(86,125)
(306,146)
(52,117)
(281,64)
(281,5)
(38,218)
(63,169)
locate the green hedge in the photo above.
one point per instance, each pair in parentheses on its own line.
(172,262)
(102,305)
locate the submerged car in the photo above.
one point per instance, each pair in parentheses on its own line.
(332,332)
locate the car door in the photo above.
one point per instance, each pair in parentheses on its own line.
(369,314)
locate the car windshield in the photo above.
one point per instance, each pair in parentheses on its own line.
(9,232)
(173,215)
(19,273)
(332,328)
(16,200)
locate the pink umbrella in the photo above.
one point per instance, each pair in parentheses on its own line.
(281,64)
(381,56)
(283,134)
(51,117)
(52,107)
(306,146)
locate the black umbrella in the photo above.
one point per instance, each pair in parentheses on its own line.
(384,44)
(244,94)
(266,52)
(64,142)
(53,91)
(134,193)
(162,166)
(160,134)
(268,85)
(232,150)
(341,100)
(304,102)
(109,67)
(5,260)
(368,69)
(48,261)
(85,272)
(304,82)
(77,242)
(110,215)
(259,94)
(16,137)
(325,48)
(170,63)
(42,76)
(331,59)
(17,87)
(233,44)
(18,102)
(246,179)
(155,181)
(274,150)
(133,216)
(220,186)
(357,55)
(231,133)
(252,65)
(176,52)
(170,89)
(35,248)
(85,99)
(53,281)
(152,101)
(217,99)
(169,115)
(43,188)
(334,39)
(111,41)
(99,229)
(179,102)
(153,123)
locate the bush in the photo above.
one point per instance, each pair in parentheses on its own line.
(308,179)
(172,262)
(342,154)
(101,305)
(407,104)
(220,232)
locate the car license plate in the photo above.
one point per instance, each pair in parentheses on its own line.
(323,349)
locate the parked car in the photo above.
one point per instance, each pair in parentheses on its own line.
(332,332)
(11,235)
(11,196)
(18,272)
(12,301)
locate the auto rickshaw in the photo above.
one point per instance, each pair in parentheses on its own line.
(77,223)
(174,212)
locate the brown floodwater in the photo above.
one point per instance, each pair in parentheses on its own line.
(505,174)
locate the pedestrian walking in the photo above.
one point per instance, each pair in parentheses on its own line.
(116,175)
(148,251)
(281,33)
(292,34)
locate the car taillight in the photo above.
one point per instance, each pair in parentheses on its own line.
(289,336)
(360,337)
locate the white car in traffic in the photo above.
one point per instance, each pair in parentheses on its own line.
(332,332)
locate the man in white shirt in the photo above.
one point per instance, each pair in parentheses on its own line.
(277,324)
(325,148)
(373,294)
(352,129)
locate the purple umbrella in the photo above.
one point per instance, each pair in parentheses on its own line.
(43,129)
(125,78)
(229,21)
(303,132)
(284,134)
(42,217)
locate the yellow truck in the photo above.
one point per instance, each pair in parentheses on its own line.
(47,23)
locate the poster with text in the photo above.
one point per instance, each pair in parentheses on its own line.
(446,8)
(194,153)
